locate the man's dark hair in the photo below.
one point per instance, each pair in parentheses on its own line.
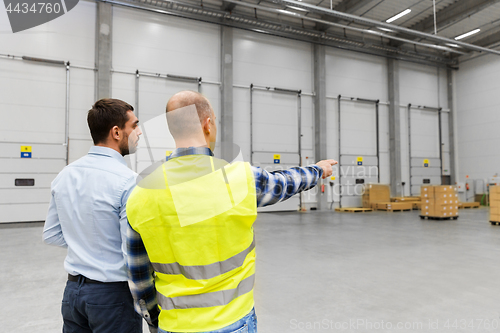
(104,115)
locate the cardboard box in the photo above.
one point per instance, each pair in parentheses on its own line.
(495,189)
(494,196)
(445,214)
(495,210)
(394,206)
(444,195)
(374,193)
(427,191)
(445,208)
(427,210)
(495,217)
(405,199)
(445,189)
(445,201)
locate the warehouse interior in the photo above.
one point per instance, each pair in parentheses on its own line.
(402,93)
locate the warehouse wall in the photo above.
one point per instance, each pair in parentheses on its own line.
(156,43)
(422,85)
(273,62)
(478,117)
(32,106)
(362,76)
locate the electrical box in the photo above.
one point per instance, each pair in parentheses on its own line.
(461,187)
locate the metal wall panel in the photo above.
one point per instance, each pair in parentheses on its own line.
(358,141)
(418,162)
(425,144)
(42,180)
(275,128)
(424,172)
(33,108)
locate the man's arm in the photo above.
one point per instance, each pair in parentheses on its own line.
(141,280)
(122,215)
(276,186)
(52,232)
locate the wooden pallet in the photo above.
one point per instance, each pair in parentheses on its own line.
(468,205)
(494,223)
(395,210)
(424,217)
(353,210)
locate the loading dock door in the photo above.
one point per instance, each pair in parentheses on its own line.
(32,100)
(275,127)
(358,148)
(424,147)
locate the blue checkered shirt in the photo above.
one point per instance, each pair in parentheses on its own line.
(269,191)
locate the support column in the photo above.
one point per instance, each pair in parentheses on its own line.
(226,65)
(394,128)
(320,116)
(451,126)
(104,24)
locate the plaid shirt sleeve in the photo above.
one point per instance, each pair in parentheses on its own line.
(276,186)
(141,278)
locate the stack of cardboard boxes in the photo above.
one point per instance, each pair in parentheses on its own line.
(439,201)
(495,203)
(415,201)
(375,193)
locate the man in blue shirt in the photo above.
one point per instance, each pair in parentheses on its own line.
(87,216)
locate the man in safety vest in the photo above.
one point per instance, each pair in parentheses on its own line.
(190,245)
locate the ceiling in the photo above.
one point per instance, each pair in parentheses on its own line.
(358,25)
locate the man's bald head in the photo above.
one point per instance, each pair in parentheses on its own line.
(186,98)
(187,114)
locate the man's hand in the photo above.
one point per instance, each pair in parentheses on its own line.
(326,165)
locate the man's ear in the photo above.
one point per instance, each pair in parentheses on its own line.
(206,126)
(116,133)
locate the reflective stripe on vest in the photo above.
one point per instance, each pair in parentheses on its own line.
(217,298)
(205,272)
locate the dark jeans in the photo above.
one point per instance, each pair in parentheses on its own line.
(99,308)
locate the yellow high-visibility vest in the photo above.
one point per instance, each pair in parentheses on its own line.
(195,215)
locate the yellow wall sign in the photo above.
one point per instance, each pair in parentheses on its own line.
(277,158)
(332,178)
(426,163)
(360,160)
(25,151)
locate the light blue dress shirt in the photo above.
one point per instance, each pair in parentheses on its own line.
(87,214)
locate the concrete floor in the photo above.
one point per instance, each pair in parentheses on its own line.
(316,272)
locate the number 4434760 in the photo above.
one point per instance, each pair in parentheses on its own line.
(39,7)
(472,324)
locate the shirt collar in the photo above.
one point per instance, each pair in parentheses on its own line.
(190,151)
(106,151)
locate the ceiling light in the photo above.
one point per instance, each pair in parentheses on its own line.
(298,8)
(286,12)
(385,29)
(403,13)
(468,34)
(452,45)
